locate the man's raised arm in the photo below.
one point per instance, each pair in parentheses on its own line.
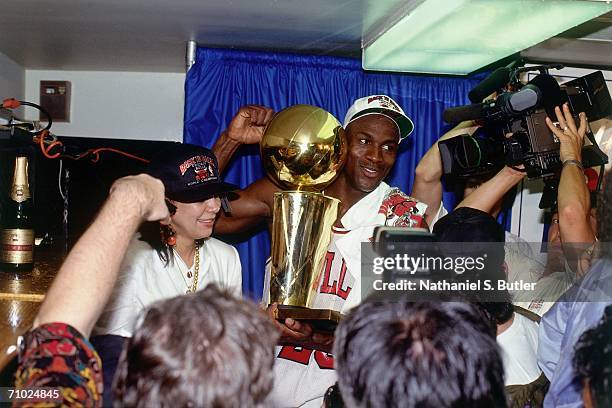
(427,180)
(254,203)
(247,127)
(487,196)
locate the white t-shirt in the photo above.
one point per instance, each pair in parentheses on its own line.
(143,279)
(519,345)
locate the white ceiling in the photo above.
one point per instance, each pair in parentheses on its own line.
(150,35)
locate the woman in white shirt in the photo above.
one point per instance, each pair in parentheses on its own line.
(167,261)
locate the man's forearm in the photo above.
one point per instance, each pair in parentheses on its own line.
(224,149)
(87,276)
(235,225)
(486,196)
(574,203)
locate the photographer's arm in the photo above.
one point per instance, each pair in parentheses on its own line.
(87,276)
(427,186)
(488,194)
(573,198)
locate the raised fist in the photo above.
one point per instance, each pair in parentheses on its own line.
(249,124)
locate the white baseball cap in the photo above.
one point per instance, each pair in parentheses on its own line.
(380,105)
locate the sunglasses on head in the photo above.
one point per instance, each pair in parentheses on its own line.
(225,205)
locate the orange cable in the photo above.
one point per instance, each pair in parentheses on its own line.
(96,154)
(46,150)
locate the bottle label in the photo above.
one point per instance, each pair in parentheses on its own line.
(20,193)
(17,246)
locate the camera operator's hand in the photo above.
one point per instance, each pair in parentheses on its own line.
(573,198)
(570,137)
(145,193)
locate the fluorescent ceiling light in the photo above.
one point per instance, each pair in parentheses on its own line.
(461,36)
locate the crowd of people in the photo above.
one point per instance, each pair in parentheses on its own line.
(162,301)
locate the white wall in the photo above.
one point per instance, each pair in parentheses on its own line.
(12,79)
(125,105)
(526,216)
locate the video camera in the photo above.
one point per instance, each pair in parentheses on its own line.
(514,131)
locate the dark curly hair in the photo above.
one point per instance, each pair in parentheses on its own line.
(593,360)
(604,210)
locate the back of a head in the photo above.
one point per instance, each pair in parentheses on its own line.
(468,232)
(476,231)
(208,349)
(467,224)
(422,354)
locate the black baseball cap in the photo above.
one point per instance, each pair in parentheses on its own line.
(190,173)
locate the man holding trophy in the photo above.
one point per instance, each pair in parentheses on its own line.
(373,128)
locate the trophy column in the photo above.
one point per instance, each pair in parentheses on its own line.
(301,232)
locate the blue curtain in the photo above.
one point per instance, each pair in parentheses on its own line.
(221,81)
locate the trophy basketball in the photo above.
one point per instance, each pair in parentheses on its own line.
(303,150)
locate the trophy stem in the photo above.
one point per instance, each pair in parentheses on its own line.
(301,231)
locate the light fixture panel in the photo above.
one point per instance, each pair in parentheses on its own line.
(461,36)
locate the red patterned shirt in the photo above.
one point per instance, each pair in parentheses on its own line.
(57,355)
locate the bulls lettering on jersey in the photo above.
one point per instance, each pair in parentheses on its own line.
(331,286)
(336,280)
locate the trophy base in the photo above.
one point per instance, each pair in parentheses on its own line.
(321,320)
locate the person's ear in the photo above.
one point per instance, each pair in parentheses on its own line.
(171,204)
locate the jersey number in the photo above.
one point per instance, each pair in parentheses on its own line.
(301,355)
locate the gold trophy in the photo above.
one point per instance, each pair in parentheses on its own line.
(303,150)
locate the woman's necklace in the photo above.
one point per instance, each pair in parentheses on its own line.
(196,271)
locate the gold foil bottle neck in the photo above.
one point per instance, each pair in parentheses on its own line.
(20,189)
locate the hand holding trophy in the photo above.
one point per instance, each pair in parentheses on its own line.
(303,149)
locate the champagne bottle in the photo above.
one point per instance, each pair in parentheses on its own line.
(16,232)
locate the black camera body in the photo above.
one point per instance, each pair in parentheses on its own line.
(514,131)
